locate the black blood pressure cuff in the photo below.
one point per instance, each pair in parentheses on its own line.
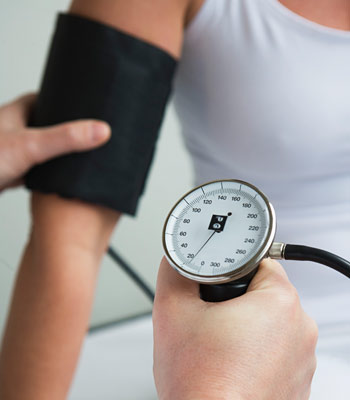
(95,71)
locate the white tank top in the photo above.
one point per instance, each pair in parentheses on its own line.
(263,95)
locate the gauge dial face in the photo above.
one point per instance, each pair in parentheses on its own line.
(218,229)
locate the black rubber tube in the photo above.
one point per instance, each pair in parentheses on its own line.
(305,253)
(131,273)
(226,291)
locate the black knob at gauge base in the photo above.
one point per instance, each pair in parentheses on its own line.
(226,291)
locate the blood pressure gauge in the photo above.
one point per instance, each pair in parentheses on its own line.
(219,232)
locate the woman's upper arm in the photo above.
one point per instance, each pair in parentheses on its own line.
(71,222)
(159,22)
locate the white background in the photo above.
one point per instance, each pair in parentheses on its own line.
(25,31)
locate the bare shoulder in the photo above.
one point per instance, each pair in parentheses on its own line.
(193,7)
(160,22)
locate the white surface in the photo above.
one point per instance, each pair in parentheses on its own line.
(331,380)
(117,364)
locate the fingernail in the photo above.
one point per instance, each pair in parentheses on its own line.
(100,132)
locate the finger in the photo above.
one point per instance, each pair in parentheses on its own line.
(16,113)
(170,284)
(271,274)
(44,144)
(25,102)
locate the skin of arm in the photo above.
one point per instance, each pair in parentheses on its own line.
(55,285)
(20,149)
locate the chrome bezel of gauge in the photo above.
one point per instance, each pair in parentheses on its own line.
(244,269)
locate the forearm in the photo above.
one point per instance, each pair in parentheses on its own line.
(53,297)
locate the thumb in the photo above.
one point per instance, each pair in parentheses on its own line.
(270,275)
(171,285)
(46,143)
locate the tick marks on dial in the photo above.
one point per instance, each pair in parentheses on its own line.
(203,246)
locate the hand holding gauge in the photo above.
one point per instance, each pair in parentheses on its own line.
(218,233)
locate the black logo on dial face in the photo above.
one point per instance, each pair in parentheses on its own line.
(217,223)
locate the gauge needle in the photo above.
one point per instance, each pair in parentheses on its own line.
(202,246)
